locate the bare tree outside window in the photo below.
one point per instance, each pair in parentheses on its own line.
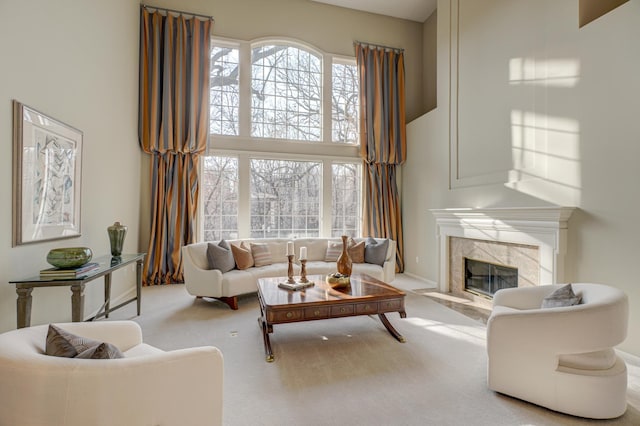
(224,97)
(346,215)
(286,87)
(285,198)
(220,198)
(345,104)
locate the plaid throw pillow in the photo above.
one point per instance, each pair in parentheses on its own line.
(261,254)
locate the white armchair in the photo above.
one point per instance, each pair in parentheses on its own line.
(561,358)
(146,387)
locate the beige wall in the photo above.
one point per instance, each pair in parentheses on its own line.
(552,113)
(75,60)
(430,63)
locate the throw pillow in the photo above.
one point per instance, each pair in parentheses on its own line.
(68,345)
(242,256)
(564,296)
(334,249)
(220,256)
(101,351)
(356,251)
(375,251)
(261,254)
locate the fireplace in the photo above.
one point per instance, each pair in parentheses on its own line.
(485,278)
(532,240)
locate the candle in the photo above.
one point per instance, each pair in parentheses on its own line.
(290,248)
(303,253)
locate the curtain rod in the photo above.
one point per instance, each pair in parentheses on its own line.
(177,11)
(380,46)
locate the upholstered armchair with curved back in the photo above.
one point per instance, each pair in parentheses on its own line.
(561,358)
(146,387)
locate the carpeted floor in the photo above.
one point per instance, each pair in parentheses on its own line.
(349,370)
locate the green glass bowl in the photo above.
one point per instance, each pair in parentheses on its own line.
(69,257)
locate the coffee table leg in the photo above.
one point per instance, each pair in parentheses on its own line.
(265,337)
(390,328)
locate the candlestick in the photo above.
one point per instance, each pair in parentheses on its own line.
(290,280)
(303,253)
(303,271)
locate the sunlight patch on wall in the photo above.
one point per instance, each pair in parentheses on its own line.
(545,72)
(546,157)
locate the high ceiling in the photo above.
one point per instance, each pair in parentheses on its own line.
(413,10)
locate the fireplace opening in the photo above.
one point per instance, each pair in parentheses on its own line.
(486,278)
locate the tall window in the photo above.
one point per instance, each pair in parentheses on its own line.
(345,199)
(220,198)
(225,94)
(345,103)
(286,89)
(255,181)
(285,198)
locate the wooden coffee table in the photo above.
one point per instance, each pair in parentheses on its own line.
(365,296)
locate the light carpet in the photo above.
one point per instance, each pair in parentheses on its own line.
(347,370)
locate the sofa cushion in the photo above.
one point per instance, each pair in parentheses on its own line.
(375,251)
(220,256)
(261,254)
(242,256)
(564,296)
(62,343)
(356,251)
(334,249)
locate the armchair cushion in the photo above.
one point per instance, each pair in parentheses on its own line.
(101,351)
(564,296)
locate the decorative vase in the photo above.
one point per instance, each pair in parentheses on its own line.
(116,232)
(344,261)
(69,257)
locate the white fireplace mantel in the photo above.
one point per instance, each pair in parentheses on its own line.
(543,227)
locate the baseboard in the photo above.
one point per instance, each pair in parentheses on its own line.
(419,278)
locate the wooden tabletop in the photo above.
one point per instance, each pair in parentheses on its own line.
(362,287)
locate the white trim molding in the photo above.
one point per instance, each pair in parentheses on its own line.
(543,227)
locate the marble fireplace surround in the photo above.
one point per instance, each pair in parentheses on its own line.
(543,229)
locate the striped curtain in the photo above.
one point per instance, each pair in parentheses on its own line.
(383,146)
(173,127)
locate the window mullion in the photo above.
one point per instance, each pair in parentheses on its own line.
(327,90)
(245,90)
(244,196)
(326,204)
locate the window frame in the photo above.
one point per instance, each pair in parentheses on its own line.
(245,147)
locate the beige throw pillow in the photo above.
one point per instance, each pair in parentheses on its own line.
(334,248)
(242,255)
(356,251)
(261,254)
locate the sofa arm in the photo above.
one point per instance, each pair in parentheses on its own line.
(199,281)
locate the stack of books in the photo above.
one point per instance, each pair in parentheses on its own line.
(59,273)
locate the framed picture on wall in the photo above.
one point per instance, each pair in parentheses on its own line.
(47,172)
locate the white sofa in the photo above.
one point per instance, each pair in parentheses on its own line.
(147,387)
(200,281)
(561,358)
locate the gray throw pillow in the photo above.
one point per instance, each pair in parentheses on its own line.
(375,251)
(564,296)
(101,351)
(68,345)
(220,256)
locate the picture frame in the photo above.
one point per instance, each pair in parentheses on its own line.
(47,177)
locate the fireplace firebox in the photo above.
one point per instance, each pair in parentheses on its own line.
(486,278)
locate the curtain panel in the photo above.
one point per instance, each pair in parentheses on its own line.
(383,145)
(173,127)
